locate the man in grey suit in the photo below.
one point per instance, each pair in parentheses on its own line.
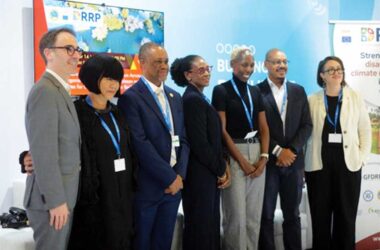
(54,138)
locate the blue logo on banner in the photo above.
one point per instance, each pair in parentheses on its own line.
(346,39)
(368,195)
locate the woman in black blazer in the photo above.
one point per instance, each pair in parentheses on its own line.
(103,217)
(206,172)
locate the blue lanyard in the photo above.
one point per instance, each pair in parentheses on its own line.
(335,123)
(284,100)
(248,114)
(116,143)
(165,115)
(205,97)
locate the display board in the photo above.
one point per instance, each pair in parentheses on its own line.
(118,31)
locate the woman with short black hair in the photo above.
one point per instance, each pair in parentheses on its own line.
(103,214)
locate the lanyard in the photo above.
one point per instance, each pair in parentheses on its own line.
(165,114)
(116,143)
(284,100)
(205,97)
(335,123)
(248,114)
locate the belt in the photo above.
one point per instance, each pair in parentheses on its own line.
(251,140)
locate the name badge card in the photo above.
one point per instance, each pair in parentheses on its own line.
(175,140)
(119,165)
(250,135)
(335,138)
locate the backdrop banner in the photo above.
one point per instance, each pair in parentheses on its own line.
(358,45)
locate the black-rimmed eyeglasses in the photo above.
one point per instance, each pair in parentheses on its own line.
(69,49)
(332,71)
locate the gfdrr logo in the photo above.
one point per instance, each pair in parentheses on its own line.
(368,195)
(370,34)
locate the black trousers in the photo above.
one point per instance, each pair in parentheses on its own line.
(287,182)
(202,218)
(333,197)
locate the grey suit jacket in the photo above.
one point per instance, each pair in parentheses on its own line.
(53,132)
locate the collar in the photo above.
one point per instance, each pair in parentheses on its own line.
(273,86)
(153,86)
(65,85)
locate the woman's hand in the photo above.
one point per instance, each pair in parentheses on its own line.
(260,165)
(225,180)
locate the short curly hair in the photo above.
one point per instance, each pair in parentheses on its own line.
(179,67)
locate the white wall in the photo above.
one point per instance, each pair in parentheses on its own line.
(16,67)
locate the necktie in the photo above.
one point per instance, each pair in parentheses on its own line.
(161,99)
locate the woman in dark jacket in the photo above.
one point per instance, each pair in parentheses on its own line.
(206,172)
(103,214)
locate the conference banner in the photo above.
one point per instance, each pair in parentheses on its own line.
(358,45)
(117,31)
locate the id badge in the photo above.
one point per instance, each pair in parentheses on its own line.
(335,138)
(250,135)
(119,164)
(175,140)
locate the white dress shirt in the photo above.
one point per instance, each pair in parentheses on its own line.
(156,90)
(65,84)
(278,94)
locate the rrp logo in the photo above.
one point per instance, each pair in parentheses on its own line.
(370,34)
(86,16)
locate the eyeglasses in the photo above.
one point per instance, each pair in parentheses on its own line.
(332,71)
(202,70)
(69,49)
(279,62)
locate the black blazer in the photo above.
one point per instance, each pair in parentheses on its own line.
(204,131)
(298,123)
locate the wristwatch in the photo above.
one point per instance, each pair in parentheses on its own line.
(264,155)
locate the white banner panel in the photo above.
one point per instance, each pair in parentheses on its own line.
(358,45)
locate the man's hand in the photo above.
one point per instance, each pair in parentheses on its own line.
(176,185)
(59,216)
(286,158)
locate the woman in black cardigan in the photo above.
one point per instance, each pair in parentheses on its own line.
(206,172)
(103,214)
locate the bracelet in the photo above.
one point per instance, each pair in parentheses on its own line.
(264,155)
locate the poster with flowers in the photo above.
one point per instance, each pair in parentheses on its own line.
(118,31)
